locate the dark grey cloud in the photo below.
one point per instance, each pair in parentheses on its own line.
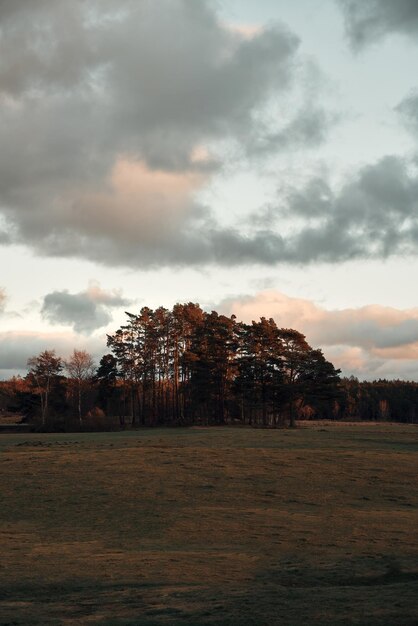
(308,129)
(111,114)
(153,79)
(408,109)
(373,215)
(85,311)
(370,20)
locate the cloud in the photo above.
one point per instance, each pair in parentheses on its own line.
(4,312)
(148,80)
(408,109)
(3,299)
(370,20)
(85,311)
(369,341)
(115,115)
(307,129)
(373,215)
(16,347)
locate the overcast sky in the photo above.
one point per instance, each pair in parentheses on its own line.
(259,157)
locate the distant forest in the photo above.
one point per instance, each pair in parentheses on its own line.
(189,367)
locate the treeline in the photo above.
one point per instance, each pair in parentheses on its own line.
(185,366)
(380,400)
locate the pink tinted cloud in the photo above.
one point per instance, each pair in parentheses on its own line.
(368,341)
(138,203)
(17,346)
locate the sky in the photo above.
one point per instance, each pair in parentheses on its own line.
(259,157)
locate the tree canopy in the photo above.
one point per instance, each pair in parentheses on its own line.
(187,365)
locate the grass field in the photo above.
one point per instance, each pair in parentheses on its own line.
(211,526)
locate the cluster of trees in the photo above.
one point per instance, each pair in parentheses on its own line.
(186,366)
(46,394)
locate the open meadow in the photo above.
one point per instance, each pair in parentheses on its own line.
(220,526)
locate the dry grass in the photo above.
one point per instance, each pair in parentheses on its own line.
(211,526)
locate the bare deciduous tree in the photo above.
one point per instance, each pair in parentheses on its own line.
(80,367)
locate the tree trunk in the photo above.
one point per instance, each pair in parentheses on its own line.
(292,416)
(132,405)
(79,404)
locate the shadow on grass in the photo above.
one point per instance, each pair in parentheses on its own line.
(326,597)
